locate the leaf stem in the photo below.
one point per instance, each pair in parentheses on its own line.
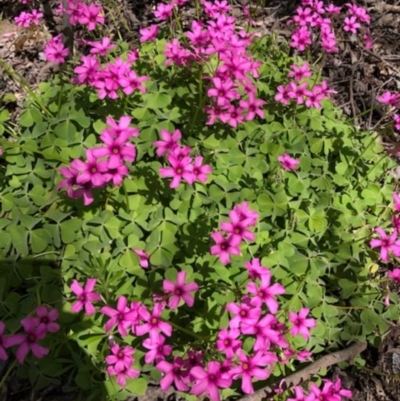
(4,378)
(126,196)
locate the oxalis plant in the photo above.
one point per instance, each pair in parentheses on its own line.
(193,213)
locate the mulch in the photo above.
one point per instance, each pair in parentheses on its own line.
(358,75)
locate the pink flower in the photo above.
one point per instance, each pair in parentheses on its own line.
(116,174)
(209,381)
(26,19)
(87,71)
(351,24)
(301,38)
(253,107)
(118,150)
(388,98)
(55,51)
(47,319)
(169,142)
(300,396)
(249,368)
(298,92)
(132,82)
(396,120)
(157,347)
(387,244)
(91,16)
(332,9)
(394,275)
(176,53)
(163,11)
(328,392)
(264,330)
(85,190)
(243,313)
(148,34)
(288,163)
(238,228)
(369,43)
(299,72)
(173,373)
(71,175)
(266,293)
(115,129)
(232,115)
(121,358)
(179,169)
(102,47)
(144,258)
(29,340)
(91,171)
(301,325)
(245,213)
(180,290)
(224,91)
(337,391)
(314,97)
(303,16)
(304,355)
(224,247)
(228,343)
(153,321)
(123,374)
(85,296)
(123,317)
(199,171)
(256,271)
(283,94)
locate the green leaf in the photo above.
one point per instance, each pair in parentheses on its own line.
(40,238)
(157,100)
(137,386)
(19,238)
(318,221)
(69,229)
(30,117)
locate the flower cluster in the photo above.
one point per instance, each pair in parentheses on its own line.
(26,19)
(254,318)
(181,164)
(237,230)
(300,91)
(104,164)
(35,329)
(331,391)
(120,364)
(137,318)
(231,88)
(111,78)
(83,14)
(357,16)
(55,51)
(314,14)
(311,15)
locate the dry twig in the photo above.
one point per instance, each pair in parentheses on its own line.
(304,374)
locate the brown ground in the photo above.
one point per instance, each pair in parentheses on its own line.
(357,74)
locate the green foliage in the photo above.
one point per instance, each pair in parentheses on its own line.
(313,230)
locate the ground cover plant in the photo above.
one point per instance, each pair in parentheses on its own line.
(194,212)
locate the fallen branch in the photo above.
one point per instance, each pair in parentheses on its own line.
(304,374)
